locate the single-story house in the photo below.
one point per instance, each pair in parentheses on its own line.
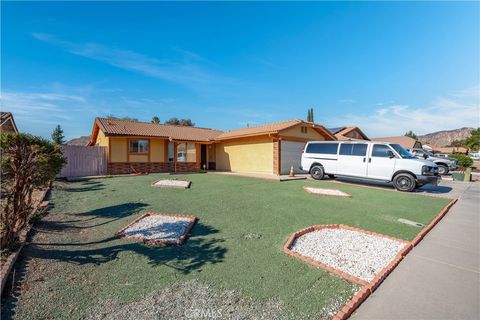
(404,141)
(449,150)
(146,147)
(348,133)
(7,123)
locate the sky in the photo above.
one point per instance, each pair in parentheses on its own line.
(387,67)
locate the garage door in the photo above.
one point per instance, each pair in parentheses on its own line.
(291,155)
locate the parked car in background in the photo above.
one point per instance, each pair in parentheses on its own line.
(379,161)
(445,164)
(474,155)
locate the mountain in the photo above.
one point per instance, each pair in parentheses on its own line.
(446,137)
(81,141)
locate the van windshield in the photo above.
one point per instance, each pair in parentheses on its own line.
(401,151)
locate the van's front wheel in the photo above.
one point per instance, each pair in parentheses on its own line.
(317,172)
(404,182)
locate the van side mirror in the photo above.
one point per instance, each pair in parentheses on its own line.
(391,155)
(425,156)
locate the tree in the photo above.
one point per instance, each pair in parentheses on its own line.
(27,162)
(180,122)
(57,135)
(155,120)
(473,142)
(411,134)
(310,117)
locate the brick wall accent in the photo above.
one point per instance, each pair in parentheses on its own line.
(151,167)
(277,151)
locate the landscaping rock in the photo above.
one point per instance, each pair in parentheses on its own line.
(353,252)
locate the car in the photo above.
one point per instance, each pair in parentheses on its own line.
(444,164)
(368,160)
(474,156)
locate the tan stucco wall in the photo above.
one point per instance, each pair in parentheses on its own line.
(138,158)
(118,149)
(157,150)
(296,132)
(102,140)
(245,155)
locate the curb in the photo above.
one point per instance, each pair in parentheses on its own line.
(7,266)
(178,242)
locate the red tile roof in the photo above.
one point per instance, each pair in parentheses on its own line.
(118,127)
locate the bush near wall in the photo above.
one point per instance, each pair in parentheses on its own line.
(27,162)
(463,160)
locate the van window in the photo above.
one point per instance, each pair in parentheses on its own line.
(381,151)
(353,149)
(325,148)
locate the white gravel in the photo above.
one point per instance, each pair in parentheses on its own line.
(327,192)
(172,183)
(158,227)
(355,253)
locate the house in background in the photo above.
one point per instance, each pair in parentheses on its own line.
(404,141)
(348,133)
(147,147)
(7,123)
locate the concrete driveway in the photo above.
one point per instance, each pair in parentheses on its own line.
(440,278)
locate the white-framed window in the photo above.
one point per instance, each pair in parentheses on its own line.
(138,146)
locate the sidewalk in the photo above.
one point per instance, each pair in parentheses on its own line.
(440,278)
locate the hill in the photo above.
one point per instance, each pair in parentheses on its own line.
(81,141)
(446,137)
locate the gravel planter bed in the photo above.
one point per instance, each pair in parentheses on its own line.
(349,252)
(326,192)
(166,183)
(157,228)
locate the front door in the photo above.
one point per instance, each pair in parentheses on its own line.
(352,159)
(381,163)
(203,156)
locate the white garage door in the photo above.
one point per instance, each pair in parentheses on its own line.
(291,155)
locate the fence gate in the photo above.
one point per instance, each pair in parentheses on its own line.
(84,161)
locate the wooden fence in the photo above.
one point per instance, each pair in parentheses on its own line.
(84,161)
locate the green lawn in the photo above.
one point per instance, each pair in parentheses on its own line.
(74,262)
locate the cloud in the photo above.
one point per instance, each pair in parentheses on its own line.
(182,67)
(457,109)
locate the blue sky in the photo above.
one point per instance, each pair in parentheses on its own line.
(386,67)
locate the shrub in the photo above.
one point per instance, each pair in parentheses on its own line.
(463,160)
(27,162)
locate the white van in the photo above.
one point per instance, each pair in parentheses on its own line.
(380,161)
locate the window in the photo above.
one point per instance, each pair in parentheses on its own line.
(303,129)
(353,149)
(324,148)
(170,151)
(138,146)
(381,151)
(186,152)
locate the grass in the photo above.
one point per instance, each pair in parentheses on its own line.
(74,261)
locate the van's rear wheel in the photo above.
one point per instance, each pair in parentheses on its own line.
(317,172)
(404,182)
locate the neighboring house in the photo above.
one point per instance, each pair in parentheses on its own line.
(348,133)
(449,150)
(147,147)
(7,123)
(404,141)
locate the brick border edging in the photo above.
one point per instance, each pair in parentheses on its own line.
(362,295)
(7,266)
(178,242)
(344,275)
(172,187)
(344,195)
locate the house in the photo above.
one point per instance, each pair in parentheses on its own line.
(404,141)
(348,133)
(147,147)
(449,150)
(7,123)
